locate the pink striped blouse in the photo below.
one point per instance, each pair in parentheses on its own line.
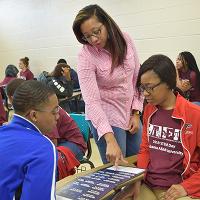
(109,97)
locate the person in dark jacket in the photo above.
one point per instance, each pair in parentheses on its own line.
(76,86)
(60,81)
(73,74)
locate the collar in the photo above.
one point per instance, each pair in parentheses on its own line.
(22,121)
(97,49)
(179,108)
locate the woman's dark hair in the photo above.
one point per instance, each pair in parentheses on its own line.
(162,66)
(116,41)
(191,63)
(13,85)
(62,60)
(57,72)
(25,61)
(11,71)
(31,94)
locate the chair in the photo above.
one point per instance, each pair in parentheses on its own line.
(85,130)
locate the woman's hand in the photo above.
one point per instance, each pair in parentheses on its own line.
(66,73)
(134,123)
(113,151)
(184,85)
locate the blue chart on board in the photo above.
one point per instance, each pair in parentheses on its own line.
(95,185)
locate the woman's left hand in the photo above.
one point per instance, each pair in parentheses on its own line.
(134,123)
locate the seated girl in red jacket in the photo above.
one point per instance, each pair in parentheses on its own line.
(170,148)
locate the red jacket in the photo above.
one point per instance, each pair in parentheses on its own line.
(66,162)
(190,138)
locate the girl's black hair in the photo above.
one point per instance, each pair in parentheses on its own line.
(162,66)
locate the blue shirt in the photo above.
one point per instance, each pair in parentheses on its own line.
(27,158)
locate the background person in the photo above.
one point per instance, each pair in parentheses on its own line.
(188,76)
(11,72)
(60,81)
(25,72)
(73,74)
(76,86)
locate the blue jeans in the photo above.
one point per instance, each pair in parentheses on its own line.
(74,148)
(129,143)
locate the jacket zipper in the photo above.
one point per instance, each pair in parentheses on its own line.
(183,145)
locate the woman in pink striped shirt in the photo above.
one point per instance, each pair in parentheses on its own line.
(108,67)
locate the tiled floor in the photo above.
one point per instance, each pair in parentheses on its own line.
(95,158)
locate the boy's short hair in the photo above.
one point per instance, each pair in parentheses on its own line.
(31,94)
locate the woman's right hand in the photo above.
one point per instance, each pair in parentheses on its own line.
(66,73)
(113,151)
(184,84)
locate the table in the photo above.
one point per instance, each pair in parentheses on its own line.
(60,184)
(75,96)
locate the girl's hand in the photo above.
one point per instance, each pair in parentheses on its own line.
(134,123)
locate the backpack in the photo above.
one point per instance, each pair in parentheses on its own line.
(66,162)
